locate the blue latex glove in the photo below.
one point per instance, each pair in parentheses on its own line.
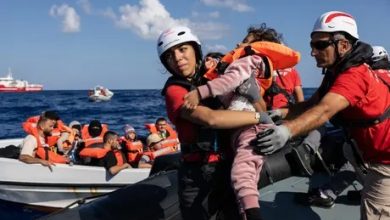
(250,89)
(275,114)
(272,139)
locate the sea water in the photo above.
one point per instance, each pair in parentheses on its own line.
(134,107)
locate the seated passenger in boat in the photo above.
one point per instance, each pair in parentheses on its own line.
(92,134)
(54,140)
(131,145)
(68,137)
(154,148)
(114,160)
(165,132)
(35,148)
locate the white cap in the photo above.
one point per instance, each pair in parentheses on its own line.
(335,21)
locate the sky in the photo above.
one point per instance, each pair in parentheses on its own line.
(82,43)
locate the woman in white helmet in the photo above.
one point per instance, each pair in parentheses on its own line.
(352,96)
(202,170)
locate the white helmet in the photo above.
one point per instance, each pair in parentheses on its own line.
(173,37)
(379,53)
(335,21)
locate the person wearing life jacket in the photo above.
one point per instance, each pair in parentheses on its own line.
(166,132)
(247,165)
(92,137)
(35,148)
(68,137)
(30,125)
(114,160)
(352,96)
(202,168)
(274,57)
(132,147)
(92,134)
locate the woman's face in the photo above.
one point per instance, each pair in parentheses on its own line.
(182,60)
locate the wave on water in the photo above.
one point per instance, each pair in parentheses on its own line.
(135,107)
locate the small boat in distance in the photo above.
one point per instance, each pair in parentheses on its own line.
(99,93)
(9,84)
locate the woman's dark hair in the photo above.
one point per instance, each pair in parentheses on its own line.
(215,55)
(264,33)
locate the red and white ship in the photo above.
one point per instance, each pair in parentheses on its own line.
(9,84)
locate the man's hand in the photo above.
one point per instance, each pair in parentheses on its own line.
(250,89)
(271,139)
(48,164)
(275,114)
(191,100)
(126,166)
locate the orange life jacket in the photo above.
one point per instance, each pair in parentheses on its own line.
(45,153)
(171,141)
(88,140)
(120,160)
(30,126)
(93,152)
(134,149)
(279,57)
(153,154)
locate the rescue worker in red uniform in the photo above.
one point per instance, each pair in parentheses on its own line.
(353,96)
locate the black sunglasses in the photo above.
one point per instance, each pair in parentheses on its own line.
(321,45)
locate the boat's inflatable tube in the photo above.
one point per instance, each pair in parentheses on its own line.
(156,197)
(153,198)
(165,163)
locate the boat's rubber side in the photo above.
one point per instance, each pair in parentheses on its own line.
(153,198)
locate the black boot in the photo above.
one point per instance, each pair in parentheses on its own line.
(253,214)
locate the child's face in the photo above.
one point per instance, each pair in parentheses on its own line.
(131,135)
(246,41)
(210,62)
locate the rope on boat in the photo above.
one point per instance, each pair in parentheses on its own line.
(78,202)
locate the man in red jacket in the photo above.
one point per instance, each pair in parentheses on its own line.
(353,96)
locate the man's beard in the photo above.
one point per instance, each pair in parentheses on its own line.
(47,133)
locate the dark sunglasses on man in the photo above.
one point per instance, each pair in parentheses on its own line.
(321,44)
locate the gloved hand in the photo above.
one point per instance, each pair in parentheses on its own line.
(265,119)
(250,89)
(271,139)
(275,114)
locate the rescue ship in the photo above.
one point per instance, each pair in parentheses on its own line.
(9,84)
